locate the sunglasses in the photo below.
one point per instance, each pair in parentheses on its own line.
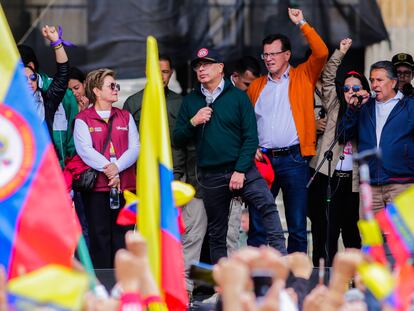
(114,86)
(32,77)
(354,88)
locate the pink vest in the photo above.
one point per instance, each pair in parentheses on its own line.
(98,129)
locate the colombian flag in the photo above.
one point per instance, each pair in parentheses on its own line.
(372,242)
(397,221)
(157,211)
(37,225)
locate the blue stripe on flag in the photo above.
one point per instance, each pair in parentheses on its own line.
(400,226)
(132,207)
(169,212)
(18,302)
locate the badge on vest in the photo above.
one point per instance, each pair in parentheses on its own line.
(122,128)
(95,129)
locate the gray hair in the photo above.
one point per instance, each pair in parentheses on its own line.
(387,66)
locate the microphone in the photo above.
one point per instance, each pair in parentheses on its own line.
(322,113)
(359,98)
(209,100)
(372,94)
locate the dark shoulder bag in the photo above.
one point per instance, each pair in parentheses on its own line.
(87,179)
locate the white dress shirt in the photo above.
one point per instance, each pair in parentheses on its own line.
(275,124)
(216,92)
(382,111)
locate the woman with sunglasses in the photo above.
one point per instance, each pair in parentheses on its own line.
(341,215)
(106,139)
(47,102)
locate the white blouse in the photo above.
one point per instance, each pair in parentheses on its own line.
(93,158)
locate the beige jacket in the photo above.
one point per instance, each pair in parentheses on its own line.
(331,104)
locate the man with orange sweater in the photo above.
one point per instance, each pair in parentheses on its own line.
(283,103)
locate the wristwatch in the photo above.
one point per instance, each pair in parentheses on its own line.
(301,23)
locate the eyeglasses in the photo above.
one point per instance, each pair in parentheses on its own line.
(114,86)
(204,65)
(355,88)
(402,74)
(271,55)
(32,77)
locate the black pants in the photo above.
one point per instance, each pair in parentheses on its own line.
(255,192)
(80,212)
(105,236)
(343,216)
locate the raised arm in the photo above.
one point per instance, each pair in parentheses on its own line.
(57,89)
(296,16)
(314,65)
(50,33)
(328,75)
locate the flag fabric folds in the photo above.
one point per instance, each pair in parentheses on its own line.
(182,193)
(37,225)
(378,279)
(397,222)
(128,214)
(61,289)
(157,211)
(404,276)
(372,242)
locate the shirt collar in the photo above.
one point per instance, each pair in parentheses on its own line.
(399,95)
(232,81)
(397,98)
(218,89)
(284,76)
(39,80)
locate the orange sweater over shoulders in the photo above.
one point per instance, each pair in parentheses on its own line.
(301,87)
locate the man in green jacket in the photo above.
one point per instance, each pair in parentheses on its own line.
(221,119)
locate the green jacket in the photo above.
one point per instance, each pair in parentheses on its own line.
(133,104)
(184,159)
(63,139)
(229,140)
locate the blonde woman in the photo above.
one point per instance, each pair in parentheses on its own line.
(106,139)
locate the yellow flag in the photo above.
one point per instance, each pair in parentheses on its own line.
(377,278)
(158,215)
(370,232)
(52,284)
(405,205)
(148,185)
